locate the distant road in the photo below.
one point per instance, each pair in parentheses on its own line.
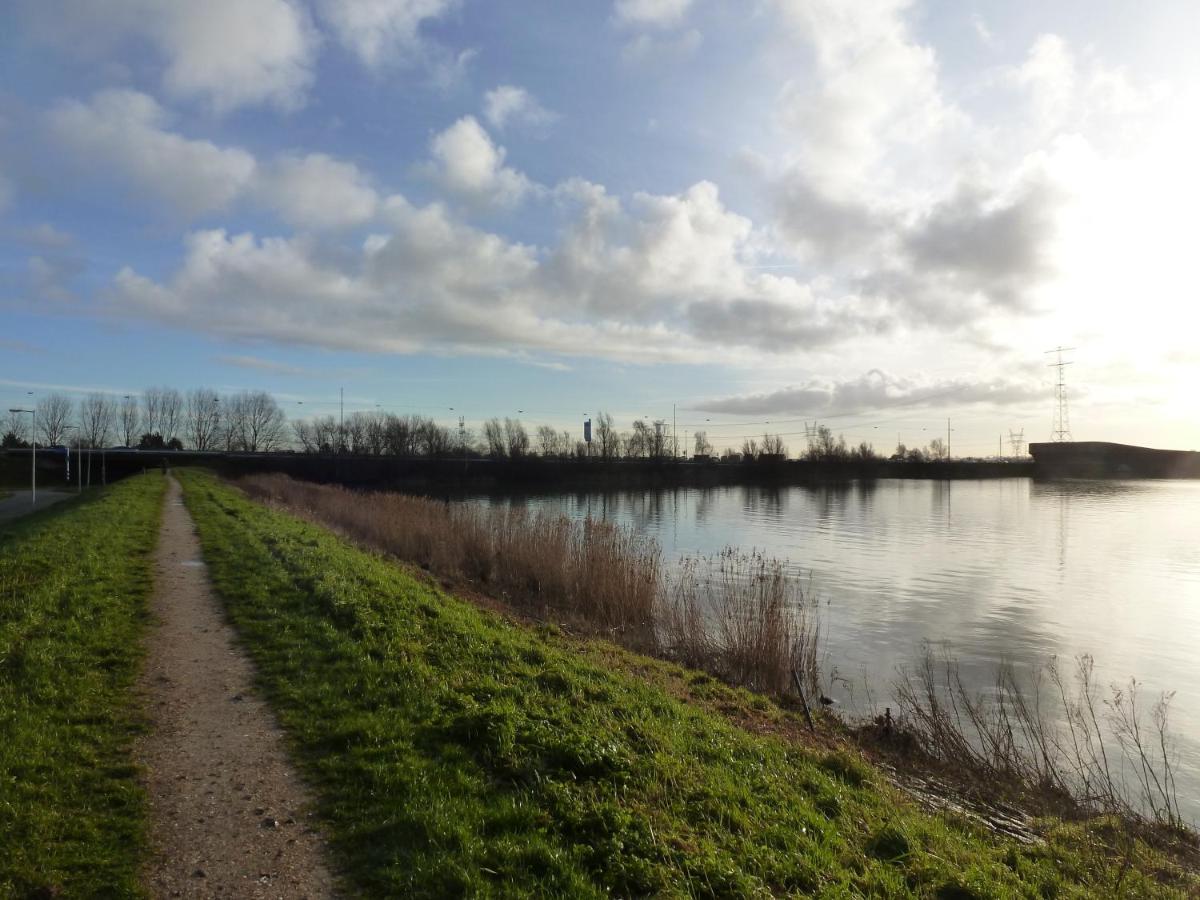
(19,505)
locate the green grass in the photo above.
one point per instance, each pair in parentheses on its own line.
(454,753)
(74,580)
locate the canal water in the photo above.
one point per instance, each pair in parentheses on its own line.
(1007,570)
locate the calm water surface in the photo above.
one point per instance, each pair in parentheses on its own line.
(994,570)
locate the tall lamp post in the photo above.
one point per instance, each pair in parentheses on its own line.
(78,457)
(33,451)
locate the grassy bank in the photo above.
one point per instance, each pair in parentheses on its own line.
(74,580)
(456,753)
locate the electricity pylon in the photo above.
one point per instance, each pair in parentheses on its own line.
(1062,422)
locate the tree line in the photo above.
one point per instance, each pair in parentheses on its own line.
(252,421)
(158,418)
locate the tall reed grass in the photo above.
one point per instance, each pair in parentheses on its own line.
(1061,733)
(739,616)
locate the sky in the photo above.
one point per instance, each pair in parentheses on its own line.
(737,216)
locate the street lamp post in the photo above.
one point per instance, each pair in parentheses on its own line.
(78,457)
(33,449)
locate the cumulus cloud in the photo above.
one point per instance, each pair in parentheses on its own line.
(656,13)
(126,134)
(224,53)
(878,391)
(507,103)
(976,243)
(124,131)
(382,32)
(469,165)
(872,87)
(317,191)
(668,277)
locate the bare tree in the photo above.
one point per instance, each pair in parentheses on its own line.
(435,439)
(152,403)
(659,440)
(130,417)
(375,436)
(516,438)
(823,446)
(547,439)
(773,445)
(749,449)
(202,418)
(400,438)
(171,414)
(607,436)
(15,429)
(256,421)
(702,446)
(638,444)
(864,452)
(95,419)
(937,449)
(53,416)
(493,434)
(306,435)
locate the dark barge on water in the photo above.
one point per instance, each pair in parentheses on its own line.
(1101,459)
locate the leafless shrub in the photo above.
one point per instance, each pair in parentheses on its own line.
(1060,734)
(744,616)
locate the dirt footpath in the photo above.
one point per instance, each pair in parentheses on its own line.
(228,814)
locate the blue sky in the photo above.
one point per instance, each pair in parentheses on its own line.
(876,213)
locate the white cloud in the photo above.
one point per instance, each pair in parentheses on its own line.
(382,31)
(508,103)
(666,279)
(236,53)
(1049,75)
(655,13)
(317,191)
(873,89)
(224,53)
(124,131)
(468,164)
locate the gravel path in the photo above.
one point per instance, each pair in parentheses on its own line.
(228,813)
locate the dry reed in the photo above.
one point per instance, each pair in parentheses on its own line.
(1060,734)
(738,616)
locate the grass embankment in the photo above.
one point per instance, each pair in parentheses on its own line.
(454,752)
(74,581)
